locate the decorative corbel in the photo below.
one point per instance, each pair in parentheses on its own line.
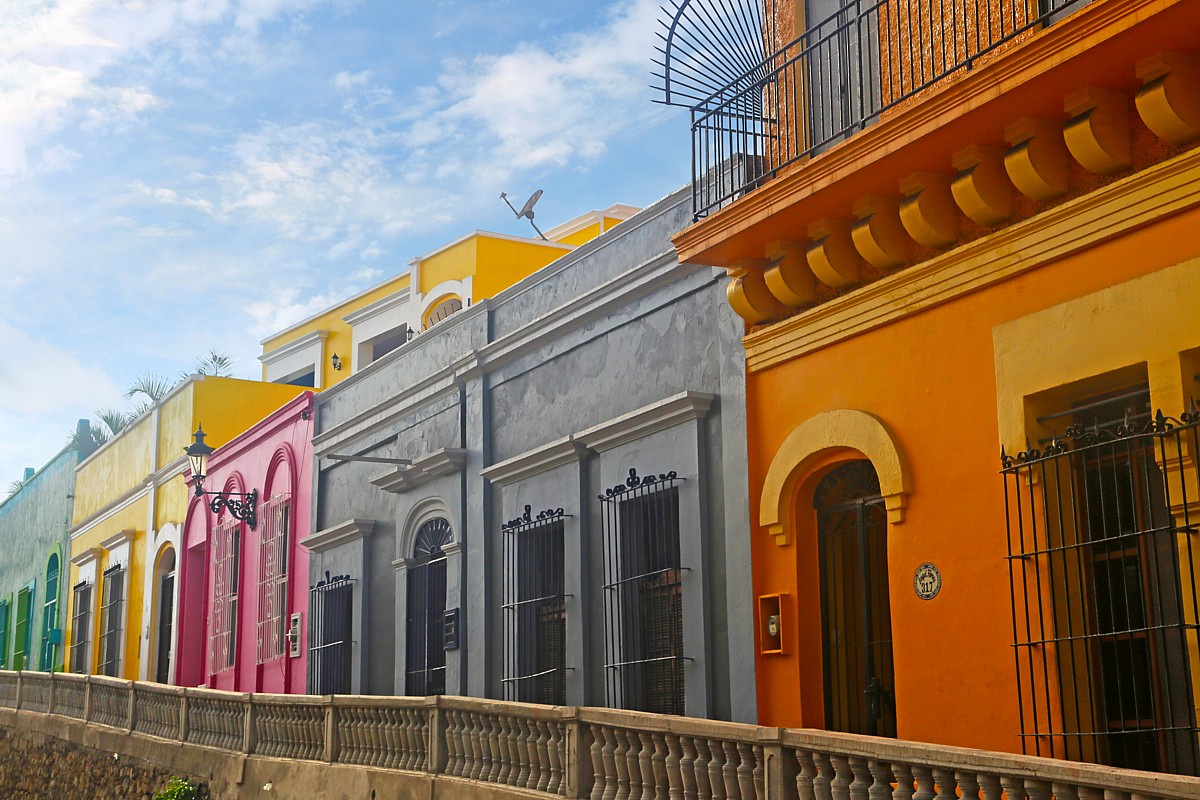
(982,189)
(1037,160)
(928,211)
(748,292)
(788,276)
(1169,100)
(1098,132)
(832,255)
(879,235)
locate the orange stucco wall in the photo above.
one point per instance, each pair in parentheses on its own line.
(931,378)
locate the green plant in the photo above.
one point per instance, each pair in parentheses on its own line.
(178,789)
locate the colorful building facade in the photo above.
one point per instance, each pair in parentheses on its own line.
(130,502)
(33,537)
(244,588)
(952,234)
(335,343)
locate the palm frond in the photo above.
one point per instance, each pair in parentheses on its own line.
(150,384)
(112,420)
(15,487)
(218,364)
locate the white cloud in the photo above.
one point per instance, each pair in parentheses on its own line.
(40,378)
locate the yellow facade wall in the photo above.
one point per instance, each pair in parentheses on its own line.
(114,470)
(451,264)
(585,235)
(503,262)
(340,338)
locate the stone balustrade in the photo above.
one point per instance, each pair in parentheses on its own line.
(577,753)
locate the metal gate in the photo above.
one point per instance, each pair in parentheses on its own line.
(535,617)
(330,628)
(856,619)
(425,653)
(1102,543)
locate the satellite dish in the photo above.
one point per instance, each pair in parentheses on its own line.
(526,211)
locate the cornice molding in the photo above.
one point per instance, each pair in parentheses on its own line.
(646,420)
(87,556)
(295,346)
(440,462)
(343,533)
(381,306)
(1144,197)
(124,501)
(117,539)
(536,461)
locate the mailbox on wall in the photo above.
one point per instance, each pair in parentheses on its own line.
(771,623)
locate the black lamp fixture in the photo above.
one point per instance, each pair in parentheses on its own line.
(244,509)
(408,335)
(337,362)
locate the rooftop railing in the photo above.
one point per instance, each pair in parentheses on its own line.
(841,76)
(593,753)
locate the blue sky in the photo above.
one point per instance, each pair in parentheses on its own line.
(180,175)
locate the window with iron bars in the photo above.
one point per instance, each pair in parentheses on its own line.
(112,613)
(226,571)
(535,615)
(330,619)
(81,626)
(1102,539)
(643,594)
(5,611)
(275,519)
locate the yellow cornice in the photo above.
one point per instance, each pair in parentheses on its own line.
(1154,193)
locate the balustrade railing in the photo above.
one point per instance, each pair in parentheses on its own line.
(577,753)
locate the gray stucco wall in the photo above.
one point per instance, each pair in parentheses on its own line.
(613,358)
(32,521)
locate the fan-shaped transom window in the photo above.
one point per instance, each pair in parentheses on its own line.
(432,536)
(442,310)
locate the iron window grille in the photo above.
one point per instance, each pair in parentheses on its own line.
(166,624)
(856,60)
(643,594)
(330,624)
(49,614)
(23,631)
(5,611)
(1102,538)
(226,573)
(81,625)
(275,519)
(425,662)
(535,613)
(112,613)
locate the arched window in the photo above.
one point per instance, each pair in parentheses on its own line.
(856,620)
(164,585)
(50,615)
(442,310)
(425,663)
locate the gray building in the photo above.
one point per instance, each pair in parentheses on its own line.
(544,496)
(34,520)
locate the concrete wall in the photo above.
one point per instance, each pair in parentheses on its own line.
(607,360)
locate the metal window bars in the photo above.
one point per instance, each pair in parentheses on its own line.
(112,618)
(1102,539)
(274,517)
(425,652)
(226,568)
(330,623)
(81,625)
(839,77)
(5,611)
(643,597)
(534,608)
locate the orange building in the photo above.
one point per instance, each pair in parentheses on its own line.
(952,229)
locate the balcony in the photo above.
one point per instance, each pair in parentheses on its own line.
(846,72)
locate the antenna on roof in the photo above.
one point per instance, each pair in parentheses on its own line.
(527,210)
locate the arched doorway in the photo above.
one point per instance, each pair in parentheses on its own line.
(856,622)
(425,660)
(164,587)
(49,654)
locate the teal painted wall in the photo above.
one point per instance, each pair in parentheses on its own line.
(33,524)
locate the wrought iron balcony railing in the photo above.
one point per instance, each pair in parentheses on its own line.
(841,76)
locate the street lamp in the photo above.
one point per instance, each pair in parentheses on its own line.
(245,509)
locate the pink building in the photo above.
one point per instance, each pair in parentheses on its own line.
(244,591)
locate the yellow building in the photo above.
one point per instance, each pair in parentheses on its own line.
(130,503)
(335,343)
(953,229)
